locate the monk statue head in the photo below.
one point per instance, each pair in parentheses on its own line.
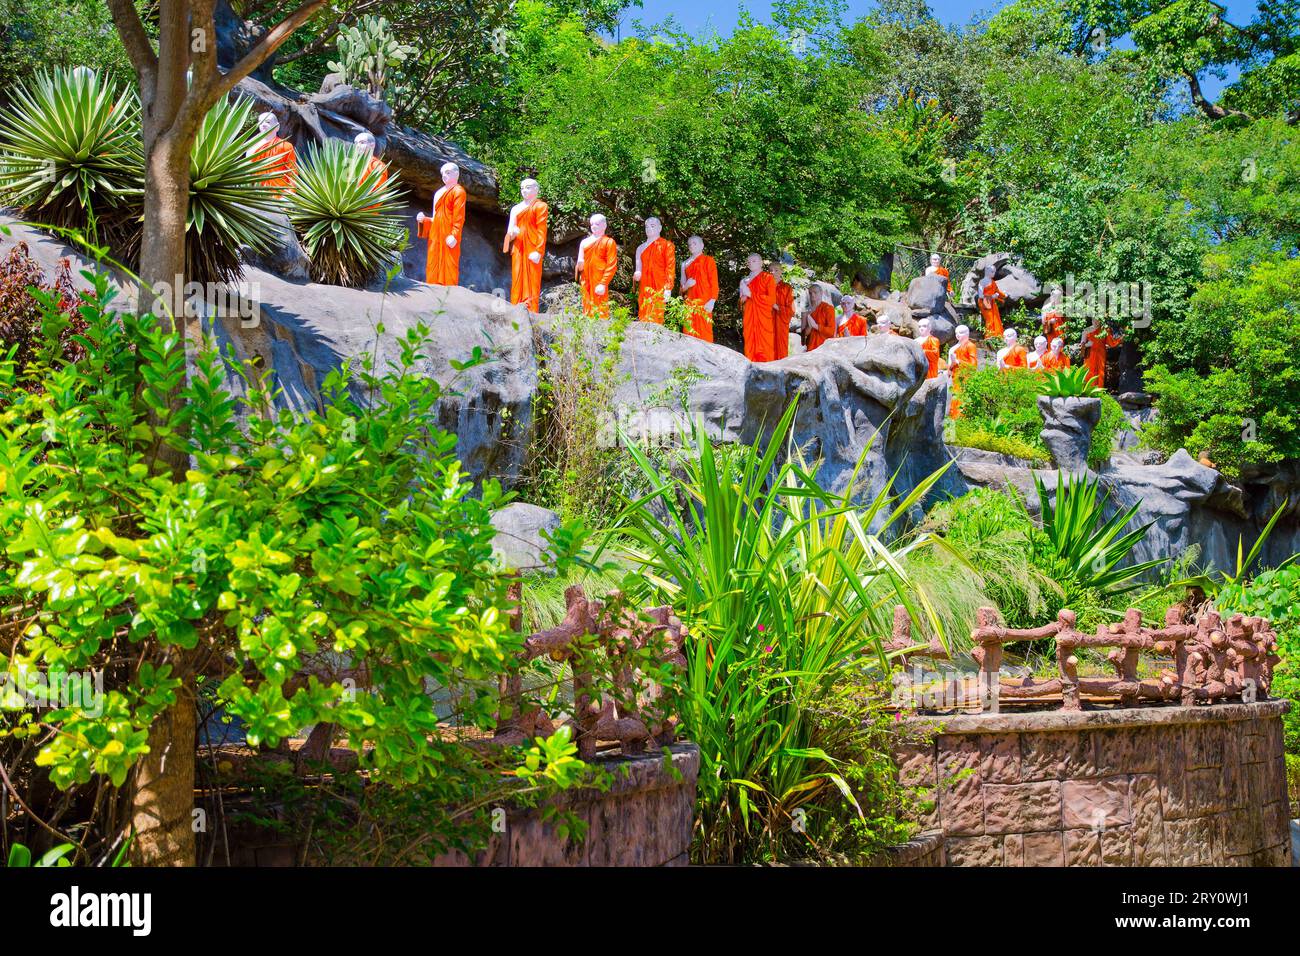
(653,228)
(1011,337)
(1040,344)
(988,272)
(268,124)
(1054,299)
(365,142)
(923,329)
(884,324)
(816,294)
(598,225)
(83,73)
(963,334)
(696,245)
(529,189)
(778,270)
(935,261)
(450,174)
(755,262)
(847,305)
(1058,344)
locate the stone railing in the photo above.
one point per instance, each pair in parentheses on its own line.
(596,634)
(1213,659)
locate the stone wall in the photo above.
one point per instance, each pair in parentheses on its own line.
(644,819)
(1158,786)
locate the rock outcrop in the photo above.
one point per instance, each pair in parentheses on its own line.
(1068,424)
(1020,285)
(927,298)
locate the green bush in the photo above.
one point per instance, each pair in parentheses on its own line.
(292,558)
(1000,413)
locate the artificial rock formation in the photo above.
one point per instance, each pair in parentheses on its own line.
(1068,424)
(1019,284)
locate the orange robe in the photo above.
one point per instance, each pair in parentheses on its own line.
(284,164)
(526,275)
(1098,341)
(784,308)
(1018,357)
(658,270)
(599,263)
(823,330)
(988,305)
(376,166)
(442,266)
(704,270)
(1053,364)
(758,320)
(964,358)
(1053,326)
(930,346)
(947,279)
(853,325)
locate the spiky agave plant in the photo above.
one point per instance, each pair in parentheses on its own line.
(350,224)
(1071,382)
(230,208)
(71,156)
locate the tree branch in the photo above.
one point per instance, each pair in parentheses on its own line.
(260,53)
(137,44)
(1212,110)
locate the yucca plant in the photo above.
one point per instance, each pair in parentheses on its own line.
(786,591)
(229,206)
(71,156)
(1090,548)
(351,229)
(1071,382)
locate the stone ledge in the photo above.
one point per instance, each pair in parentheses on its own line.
(1066,720)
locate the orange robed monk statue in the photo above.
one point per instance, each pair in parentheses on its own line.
(700,285)
(819,322)
(784,312)
(1095,342)
(1013,354)
(987,300)
(656,267)
(444,229)
(963,358)
(930,347)
(1056,357)
(364,142)
(758,297)
(937,268)
(851,323)
(597,263)
(526,243)
(278,153)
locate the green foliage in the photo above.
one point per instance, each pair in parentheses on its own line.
(57,34)
(1089,546)
(350,224)
(292,551)
(1244,413)
(1070,382)
(70,154)
(784,589)
(997,436)
(368,50)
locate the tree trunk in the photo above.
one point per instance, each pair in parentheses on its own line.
(162,806)
(166,206)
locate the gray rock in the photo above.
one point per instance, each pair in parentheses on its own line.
(1020,285)
(521,530)
(1068,424)
(927,298)
(286,258)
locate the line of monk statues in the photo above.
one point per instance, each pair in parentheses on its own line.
(767,300)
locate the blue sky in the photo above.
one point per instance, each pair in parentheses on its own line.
(720,15)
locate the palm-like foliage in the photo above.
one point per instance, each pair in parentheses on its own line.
(71,156)
(1071,382)
(350,226)
(229,206)
(1090,547)
(786,590)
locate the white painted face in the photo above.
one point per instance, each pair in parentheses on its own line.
(529,189)
(267,123)
(755,263)
(1040,344)
(696,245)
(1058,343)
(778,271)
(935,260)
(988,272)
(653,228)
(923,329)
(450,174)
(963,333)
(1011,336)
(815,294)
(365,142)
(598,224)
(848,305)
